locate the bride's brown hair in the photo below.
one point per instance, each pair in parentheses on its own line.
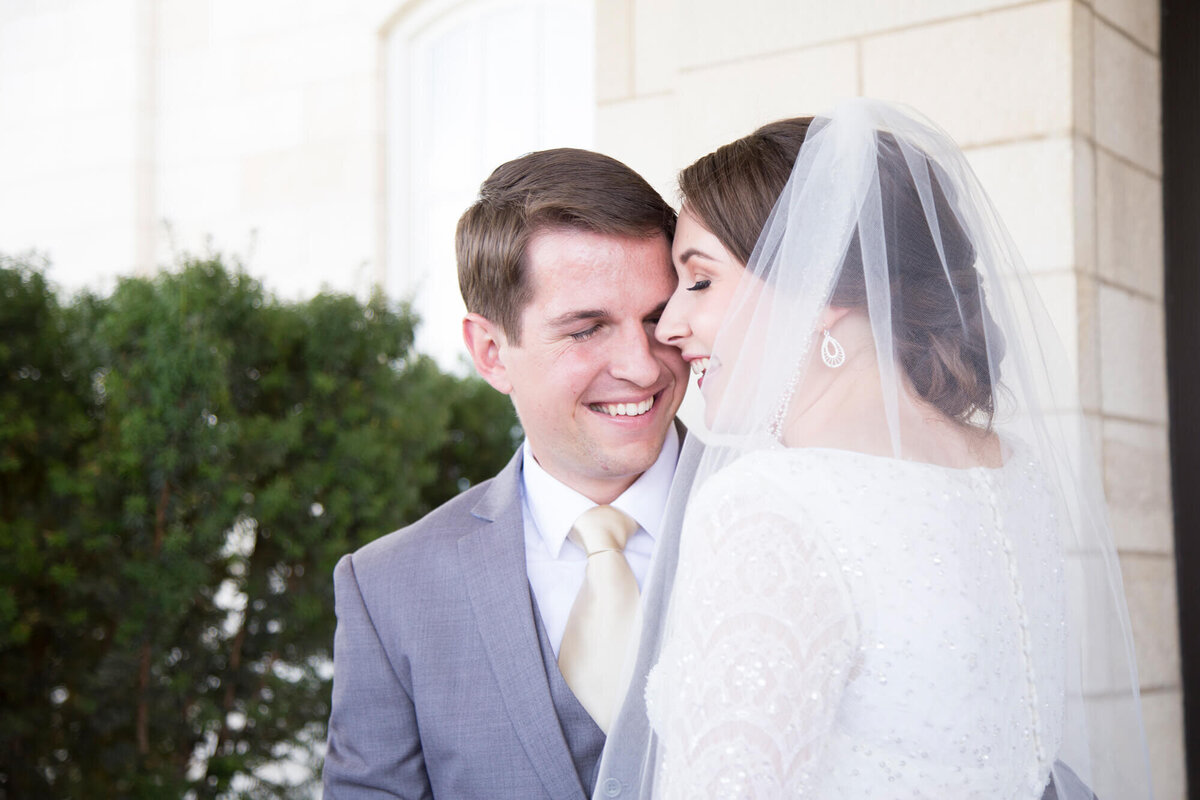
(732,190)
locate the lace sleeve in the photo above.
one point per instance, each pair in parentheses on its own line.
(763,641)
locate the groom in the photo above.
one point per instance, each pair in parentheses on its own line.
(446,677)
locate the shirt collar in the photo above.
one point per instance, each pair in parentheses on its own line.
(554,506)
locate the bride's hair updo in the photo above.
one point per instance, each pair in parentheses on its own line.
(731,192)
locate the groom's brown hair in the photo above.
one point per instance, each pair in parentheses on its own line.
(556,189)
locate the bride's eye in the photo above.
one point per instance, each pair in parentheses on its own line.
(699,285)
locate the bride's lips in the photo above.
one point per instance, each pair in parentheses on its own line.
(699,365)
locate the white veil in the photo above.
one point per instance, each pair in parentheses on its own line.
(875,189)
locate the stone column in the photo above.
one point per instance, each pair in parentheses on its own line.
(1057,106)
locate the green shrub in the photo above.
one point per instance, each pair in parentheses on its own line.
(181,465)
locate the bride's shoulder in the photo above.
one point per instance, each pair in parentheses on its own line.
(789,462)
(763,473)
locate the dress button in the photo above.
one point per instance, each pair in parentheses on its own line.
(612,788)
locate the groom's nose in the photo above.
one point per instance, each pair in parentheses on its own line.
(633,358)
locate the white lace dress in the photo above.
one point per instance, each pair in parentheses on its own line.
(849,626)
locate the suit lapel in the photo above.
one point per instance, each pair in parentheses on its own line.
(493,565)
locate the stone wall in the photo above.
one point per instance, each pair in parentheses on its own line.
(134,129)
(1057,106)
(260,124)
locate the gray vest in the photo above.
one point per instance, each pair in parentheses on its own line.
(584,738)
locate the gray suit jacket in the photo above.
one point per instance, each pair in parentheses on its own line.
(439,688)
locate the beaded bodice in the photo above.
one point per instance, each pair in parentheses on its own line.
(846,626)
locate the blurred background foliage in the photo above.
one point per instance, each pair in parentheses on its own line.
(182,462)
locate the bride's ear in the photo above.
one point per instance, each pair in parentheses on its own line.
(830,316)
(485,342)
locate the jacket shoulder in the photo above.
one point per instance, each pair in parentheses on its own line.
(435,530)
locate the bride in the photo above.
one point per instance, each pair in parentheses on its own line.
(894,577)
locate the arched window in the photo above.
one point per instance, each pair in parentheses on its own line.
(471,84)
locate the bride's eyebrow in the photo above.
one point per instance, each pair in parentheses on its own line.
(692,251)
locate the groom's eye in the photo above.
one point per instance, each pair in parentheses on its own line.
(699,285)
(581,336)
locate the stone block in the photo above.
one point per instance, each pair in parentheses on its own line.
(1163,714)
(642,133)
(279,245)
(1121,769)
(1154,616)
(45,36)
(271,64)
(272,180)
(107,83)
(1069,300)
(34,93)
(340,247)
(717,31)
(1129,225)
(1033,186)
(1085,204)
(195,193)
(183,25)
(1127,99)
(723,103)
(343,170)
(233,19)
(202,131)
(104,195)
(988,78)
(335,49)
(339,107)
(656,44)
(1137,483)
(91,255)
(1082,68)
(19,42)
(614,50)
(1137,18)
(1058,292)
(270,121)
(1132,356)
(32,148)
(194,78)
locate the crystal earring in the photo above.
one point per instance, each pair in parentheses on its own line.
(832,352)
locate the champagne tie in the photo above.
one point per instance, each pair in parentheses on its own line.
(592,653)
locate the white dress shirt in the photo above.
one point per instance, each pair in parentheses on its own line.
(554,563)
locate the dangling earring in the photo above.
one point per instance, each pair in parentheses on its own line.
(832,352)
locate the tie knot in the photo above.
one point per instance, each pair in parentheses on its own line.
(603,528)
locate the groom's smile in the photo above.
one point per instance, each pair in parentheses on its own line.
(630,409)
(595,391)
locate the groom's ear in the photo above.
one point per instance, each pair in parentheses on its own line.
(486,342)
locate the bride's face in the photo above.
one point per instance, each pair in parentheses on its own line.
(708,278)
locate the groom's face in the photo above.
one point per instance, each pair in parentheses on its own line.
(595,391)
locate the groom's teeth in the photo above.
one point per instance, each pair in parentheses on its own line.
(624,409)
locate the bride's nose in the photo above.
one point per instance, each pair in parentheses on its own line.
(672,327)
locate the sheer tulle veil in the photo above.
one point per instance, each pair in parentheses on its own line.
(839,214)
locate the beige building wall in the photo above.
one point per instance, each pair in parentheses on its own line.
(1057,105)
(260,124)
(268,135)
(70,124)
(131,130)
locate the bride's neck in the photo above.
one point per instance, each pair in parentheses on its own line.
(844,409)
